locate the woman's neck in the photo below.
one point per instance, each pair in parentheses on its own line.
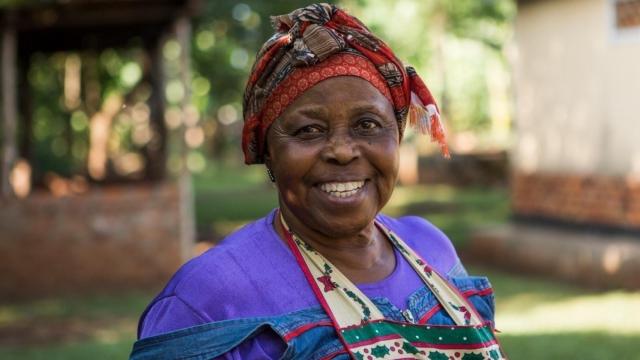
(363,256)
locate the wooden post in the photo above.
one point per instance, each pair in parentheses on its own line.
(187,231)
(156,151)
(183,35)
(9,104)
(25,109)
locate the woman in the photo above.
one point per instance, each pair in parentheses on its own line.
(326,275)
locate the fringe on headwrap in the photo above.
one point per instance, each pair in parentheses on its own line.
(426,120)
(424,115)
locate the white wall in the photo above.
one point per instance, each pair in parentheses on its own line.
(577,90)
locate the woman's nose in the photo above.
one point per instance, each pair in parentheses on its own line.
(341,148)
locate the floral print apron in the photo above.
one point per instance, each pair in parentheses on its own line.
(364,331)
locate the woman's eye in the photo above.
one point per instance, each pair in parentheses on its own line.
(368,124)
(308,130)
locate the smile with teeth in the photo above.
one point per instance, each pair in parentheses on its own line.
(342,189)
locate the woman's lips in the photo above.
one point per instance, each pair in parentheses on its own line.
(343,189)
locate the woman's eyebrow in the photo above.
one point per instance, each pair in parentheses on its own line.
(367,107)
(321,112)
(313,111)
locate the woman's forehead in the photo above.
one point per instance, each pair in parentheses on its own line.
(347,91)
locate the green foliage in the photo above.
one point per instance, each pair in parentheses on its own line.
(13,3)
(60,130)
(49,128)
(452,44)
(227,35)
(483,20)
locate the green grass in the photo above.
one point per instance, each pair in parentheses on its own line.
(455,211)
(229,177)
(542,319)
(94,350)
(578,346)
(229,196)
(89,327)
(88,307)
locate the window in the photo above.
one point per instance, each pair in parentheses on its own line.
(627,14)
(624,21)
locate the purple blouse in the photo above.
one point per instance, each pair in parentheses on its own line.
(252,273)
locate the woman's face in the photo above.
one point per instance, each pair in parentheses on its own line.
(334,154)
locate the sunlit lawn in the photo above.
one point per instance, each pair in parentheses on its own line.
(538,319)
(227,197)
(541,319)
(89,327)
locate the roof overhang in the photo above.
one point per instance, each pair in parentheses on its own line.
(48,26)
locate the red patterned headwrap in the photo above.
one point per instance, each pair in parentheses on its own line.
(318,42)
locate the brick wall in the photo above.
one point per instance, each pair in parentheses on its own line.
(592,199)
(475,169)
(107,239)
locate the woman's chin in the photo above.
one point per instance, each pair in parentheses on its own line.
(345,215)
(337,214)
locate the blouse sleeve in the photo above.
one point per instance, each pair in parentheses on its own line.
(166,315)
(172,313)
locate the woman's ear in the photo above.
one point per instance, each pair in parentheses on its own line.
(267,154)
(268,163)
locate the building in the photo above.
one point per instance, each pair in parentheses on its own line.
(577,81)
(576,160)
(109,235)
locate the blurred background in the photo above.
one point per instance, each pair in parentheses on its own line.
(120,128)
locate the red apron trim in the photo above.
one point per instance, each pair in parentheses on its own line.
(301,329)
(467,294)
(311,280)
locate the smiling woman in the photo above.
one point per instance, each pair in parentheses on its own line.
(326,275)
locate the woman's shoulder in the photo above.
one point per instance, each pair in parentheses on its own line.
(224,282)
(426,239)
(419,229)
(234,253)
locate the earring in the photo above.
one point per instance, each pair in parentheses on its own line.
(271,177)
